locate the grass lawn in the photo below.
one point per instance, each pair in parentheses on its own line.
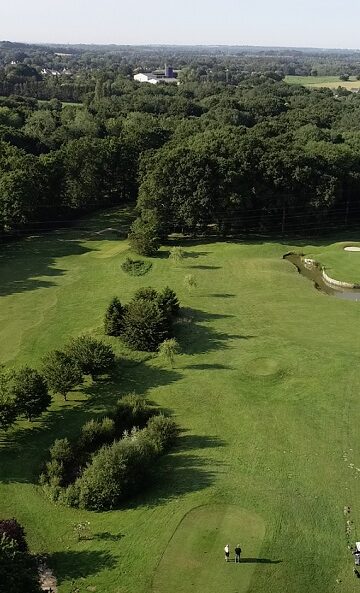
(266,389)
(331,82)
(339,264)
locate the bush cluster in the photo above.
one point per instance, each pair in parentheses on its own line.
(146,321)
(84,355)
(136,267)
(111,457)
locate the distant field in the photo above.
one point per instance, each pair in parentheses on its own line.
(330,82)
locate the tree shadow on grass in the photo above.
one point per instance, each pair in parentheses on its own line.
(222,295)
(197,338)
(28,263)
(76,564)
(259,561)
(108,537)
(199,267)
(208,367)
(180,472)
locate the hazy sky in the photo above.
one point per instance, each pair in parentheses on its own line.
(315,23)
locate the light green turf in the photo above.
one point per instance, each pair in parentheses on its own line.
(196,549)
(266,390)
(331,82)
(339,264)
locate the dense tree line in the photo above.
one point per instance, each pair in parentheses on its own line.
(245,153)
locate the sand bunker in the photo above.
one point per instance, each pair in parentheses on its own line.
(352,248)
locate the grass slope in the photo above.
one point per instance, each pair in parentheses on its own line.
(194,552)
(266,387)
(339,264)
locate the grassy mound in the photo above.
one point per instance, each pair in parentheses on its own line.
(195,552)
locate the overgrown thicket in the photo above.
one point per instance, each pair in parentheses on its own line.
(146,321)
(18,568)
(112,458)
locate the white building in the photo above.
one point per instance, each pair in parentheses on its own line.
(157,77)
(141,77)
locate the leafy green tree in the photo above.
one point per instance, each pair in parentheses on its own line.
(62,373)
(113,322)
(168,302)
(168,350)
(30,392)
(8,407)
(144,235)
(145,325)
(93,356)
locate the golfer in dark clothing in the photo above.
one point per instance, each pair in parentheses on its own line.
(237,553)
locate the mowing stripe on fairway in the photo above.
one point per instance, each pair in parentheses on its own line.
(195,552)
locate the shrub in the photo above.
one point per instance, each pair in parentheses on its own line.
(136,267)
(116,472)
(96,433)
(131,410)
(163,431)
(145,325)
(113,321)
(59,469)
(92,356)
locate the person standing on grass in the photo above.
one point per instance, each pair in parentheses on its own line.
(227,552)
(237,553)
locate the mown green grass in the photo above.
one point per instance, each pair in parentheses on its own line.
(339,264)
(331,82)
(266,390)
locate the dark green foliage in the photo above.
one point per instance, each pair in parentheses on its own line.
(62,372)
(146,293)
(163,431)
(120,470)
(59,470)
(14,531)
(168,302)
(113,322)
(31,394)
(136,267)
(111,458)
(18,569)
(131,410)
(145,325)
(92,356)
(94,434)
(8,407)
(144,236)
